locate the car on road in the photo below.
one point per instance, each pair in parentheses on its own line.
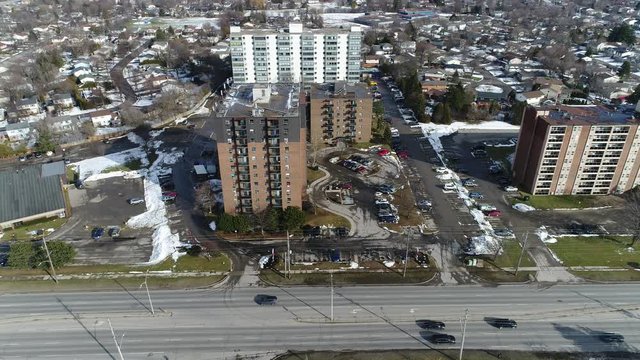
(611,338)
(135,200)
(311,231)
(510,188)
(504,323)
(264,299)
(403,154)
(430,324)
(476,195)
(442,339)
(97,233)
(23,158)
(494,213)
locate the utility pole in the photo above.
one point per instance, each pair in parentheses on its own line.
(331,296)
(115,340)
(148,294)
(524,246)
(464,331)
(406,258)
(288,257)
(53,271)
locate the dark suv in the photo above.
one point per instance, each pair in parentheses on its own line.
(611,337)
(505,323)
(262,299)
(443,339)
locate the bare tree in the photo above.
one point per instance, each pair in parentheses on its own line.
(633,213)
(131,116)
(204,197)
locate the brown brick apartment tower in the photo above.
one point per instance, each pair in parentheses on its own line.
(579,150)
(340,111)
(261,135)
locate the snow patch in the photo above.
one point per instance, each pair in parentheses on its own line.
(135,138)
(544,236)
(91,169)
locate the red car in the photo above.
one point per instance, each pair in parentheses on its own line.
(403,154)
(494,213)
(384,152)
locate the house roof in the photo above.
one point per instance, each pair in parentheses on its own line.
(62,96)
(100,113)
(27,101)
(17,126)
(25,192)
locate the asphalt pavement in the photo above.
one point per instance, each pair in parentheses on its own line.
(218,323)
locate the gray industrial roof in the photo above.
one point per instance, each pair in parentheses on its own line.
(54,168)
(25,192)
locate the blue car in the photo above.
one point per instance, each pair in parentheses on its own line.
(476,195)
(97,233)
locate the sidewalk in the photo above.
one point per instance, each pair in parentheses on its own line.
(115,275)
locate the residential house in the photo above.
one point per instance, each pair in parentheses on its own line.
(531,97)
(62,101)
(371,61)
(101,118)
(18,131)
(434,87)
(28,106)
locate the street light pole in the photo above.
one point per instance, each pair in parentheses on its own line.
(464,331)
(148,294)
(406,258)
(116,340)
(524,246)
(331,296)
(46,248)
(288,257)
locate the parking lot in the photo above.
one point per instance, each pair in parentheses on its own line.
(103,204)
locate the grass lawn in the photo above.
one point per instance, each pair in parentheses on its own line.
(499,276)
(449,354)
(186,263)
(313,175)
(596,251)
(107,284)
(566,201)
(348,278)
(323,217)
(23,232)
(510,253)
(71,174)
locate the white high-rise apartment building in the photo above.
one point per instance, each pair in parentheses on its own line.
(296,55)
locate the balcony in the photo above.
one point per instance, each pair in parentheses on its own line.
(275,185)
(274,168)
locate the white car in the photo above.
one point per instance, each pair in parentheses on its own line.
(510,189)
(441,170)
(449,186)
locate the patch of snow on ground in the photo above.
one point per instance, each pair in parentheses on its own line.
(91,169)
(511,158)
(485,245)
(135,138)
(544,236)
(165,243)
(110,130)
(339,19)
(523,207)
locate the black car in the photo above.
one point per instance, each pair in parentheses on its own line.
(611,337)
(311,231)
(430,324)
(505,323)
(442,339)
(263,299)
(341,231)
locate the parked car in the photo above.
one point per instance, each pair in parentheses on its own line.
(611,337)
(486,207)
(387,189)
(510,188)
(494,213)
(263,299)
(384,152)
(97,233)
(469,182)
(135,200)
(424,205)
(441,169)
(504,232)
(114,231)
(341,231)
(442,339)
(449,186)
(403,154)
(476,195)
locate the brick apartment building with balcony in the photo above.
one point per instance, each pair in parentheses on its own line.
(340,112)
(577,150)
(260,132)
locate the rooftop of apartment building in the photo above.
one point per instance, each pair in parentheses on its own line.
(585,115)
(339,89)
(261,100)
(293,28)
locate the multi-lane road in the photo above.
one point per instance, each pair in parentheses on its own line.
(219,323)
